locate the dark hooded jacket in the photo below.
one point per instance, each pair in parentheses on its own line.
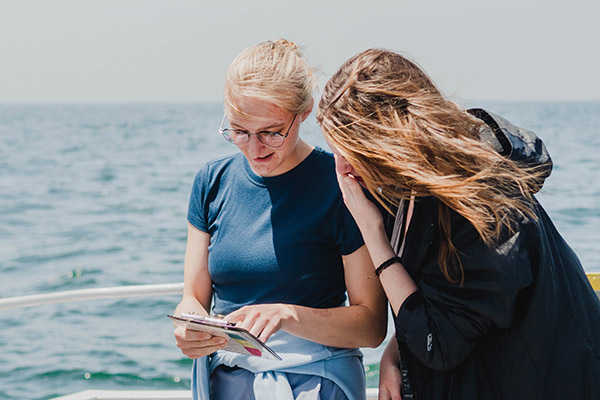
(524,324)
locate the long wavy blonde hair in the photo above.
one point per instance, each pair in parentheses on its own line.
(391,123)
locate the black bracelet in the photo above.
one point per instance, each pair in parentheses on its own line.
(386,264)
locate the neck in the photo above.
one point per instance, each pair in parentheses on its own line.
(302,151)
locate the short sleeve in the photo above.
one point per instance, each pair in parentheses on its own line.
(197,208)
(347,234)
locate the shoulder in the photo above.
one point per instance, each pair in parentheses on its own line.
(324,161)
(218,167)
(511,240)
(207,183)
(222,163)
(510,248)
(324,156)
(504,266)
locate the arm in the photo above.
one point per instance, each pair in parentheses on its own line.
(196,299)
(450,318)
(362,324)
(396,282)
(440,321)
(390,376)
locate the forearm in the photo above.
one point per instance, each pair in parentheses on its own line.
(396,281)
(350,326)
(361,324)
(391,355)
(390,376)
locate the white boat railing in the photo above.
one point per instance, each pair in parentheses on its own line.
(111,293)
(139,291)
(133,291)
(91,294)
(149,395)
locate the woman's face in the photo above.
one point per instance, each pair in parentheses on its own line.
(265,116)
(343,167)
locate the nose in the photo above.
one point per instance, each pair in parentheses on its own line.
(342,166)
(254,145)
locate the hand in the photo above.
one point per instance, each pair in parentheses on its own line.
(262,320)
(365,212)
(196,344)
(390,376)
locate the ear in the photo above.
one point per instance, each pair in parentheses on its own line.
(306,113)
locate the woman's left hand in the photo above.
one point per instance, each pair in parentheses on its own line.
(262,320)
(365,212)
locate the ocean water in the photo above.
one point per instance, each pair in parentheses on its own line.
(96,195)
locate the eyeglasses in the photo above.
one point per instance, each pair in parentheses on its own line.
(241,137)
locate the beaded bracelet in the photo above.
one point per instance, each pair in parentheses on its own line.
(386,264)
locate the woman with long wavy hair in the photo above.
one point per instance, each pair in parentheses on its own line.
(489,301)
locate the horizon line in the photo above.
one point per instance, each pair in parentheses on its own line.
(215,102)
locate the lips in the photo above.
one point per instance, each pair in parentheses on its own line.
(262,159)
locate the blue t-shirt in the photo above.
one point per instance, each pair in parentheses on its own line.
(274,239)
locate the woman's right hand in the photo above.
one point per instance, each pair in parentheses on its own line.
(364,211)
(390,376)
(196,344)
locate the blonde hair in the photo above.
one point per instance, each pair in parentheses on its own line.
(392,124)
(273,71)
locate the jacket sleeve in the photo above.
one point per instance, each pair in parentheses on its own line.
(442,321)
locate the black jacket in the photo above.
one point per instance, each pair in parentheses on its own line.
(525,324)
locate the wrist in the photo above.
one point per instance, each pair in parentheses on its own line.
(379,249)
(390,261)
(287,315)
(390,353)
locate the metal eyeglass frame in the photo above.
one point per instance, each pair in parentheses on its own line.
(259,135)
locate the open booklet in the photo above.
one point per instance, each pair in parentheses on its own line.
(239,339)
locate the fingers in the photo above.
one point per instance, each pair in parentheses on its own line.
(345,181)
(354,197)
(268,330)
(198,352)
(196,344)
(260,320)
(254,323)
(342,185)
(349,187)
(182,333)
(354,187)
(249,319)
(390,378)
(385,394)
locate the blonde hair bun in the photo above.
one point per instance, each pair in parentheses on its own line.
(287,43)
(273,71)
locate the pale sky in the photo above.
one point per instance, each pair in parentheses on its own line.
(178,50)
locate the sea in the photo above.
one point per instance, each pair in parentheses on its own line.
(95,195)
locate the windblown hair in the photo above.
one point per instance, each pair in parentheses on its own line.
(391,123)
(273,71)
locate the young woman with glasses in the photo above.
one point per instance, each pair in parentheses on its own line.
(489,301)
(274,249)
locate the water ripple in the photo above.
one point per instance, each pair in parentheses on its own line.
(96,195)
